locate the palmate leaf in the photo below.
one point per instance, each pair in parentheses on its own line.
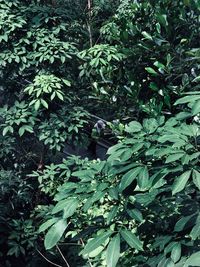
(180,182)
(132,239)
(55,233)
(96,242)
(113,251)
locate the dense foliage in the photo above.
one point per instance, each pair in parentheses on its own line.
(136,65)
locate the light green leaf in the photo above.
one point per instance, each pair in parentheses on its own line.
(180,182)
(133,127)
(132,239)
(47,224)
(147,35)
(44,103)
(113,251)
(151,71)
(193,260)
(195,233)
(95,242)
(37,104)
(187,99)
(55,233)
(176,252)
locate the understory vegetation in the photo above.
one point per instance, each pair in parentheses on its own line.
(68,67)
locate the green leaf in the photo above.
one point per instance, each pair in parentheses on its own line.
(195,233)
(147,35)
(69,205)
(176,252)
(174,157)
(196,108)
(180,182)
(113,251)
(196,178)
(187,99)
(143,178)
(47,224)
(95,242)
(128,178)
(55,233)
(193,260)
(44,103)
(132,240)
(112,214)
(59,95)
(180,225)
(135,214)
(37,104)
(151,71)
(133,127)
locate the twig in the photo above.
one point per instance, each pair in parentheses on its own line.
(88,257)
(62,256)
(48,259)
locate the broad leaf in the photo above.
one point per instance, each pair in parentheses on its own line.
(180,182)
(193,260)
(55,233)
(128,178)
(113,251)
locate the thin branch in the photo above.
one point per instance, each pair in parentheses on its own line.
(89,21)
(48,259)
(62,256)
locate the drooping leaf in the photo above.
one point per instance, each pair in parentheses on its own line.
(132,239)
(55,233)
(196,178)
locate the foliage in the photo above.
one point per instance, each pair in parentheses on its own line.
(135,64)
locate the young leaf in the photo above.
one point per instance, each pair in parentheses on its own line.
(113,251)
(95,242)
(151,71)
(55,233)
(180,182)
(132,240)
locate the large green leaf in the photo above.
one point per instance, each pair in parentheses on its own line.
(96,242)
(55,233)
(193,260)
(132,239)
(180,182)
(113,251)
(128,178)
